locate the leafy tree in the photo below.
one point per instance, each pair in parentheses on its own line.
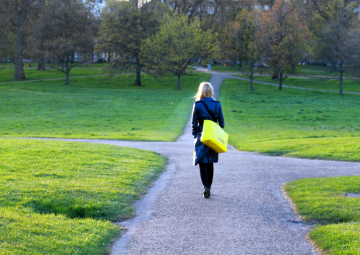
(284,34)
(174,47)
(124,27)
(242,40)
(71,23)
(334,21)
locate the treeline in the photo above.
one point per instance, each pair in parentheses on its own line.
(161,37)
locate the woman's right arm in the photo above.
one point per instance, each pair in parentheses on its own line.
(194,122)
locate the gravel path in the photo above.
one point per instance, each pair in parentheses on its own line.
(246,214)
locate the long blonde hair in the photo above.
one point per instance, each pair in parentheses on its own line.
(205,90)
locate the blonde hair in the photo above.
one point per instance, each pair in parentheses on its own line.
(205,90)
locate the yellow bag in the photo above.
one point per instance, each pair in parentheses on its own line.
(214,136)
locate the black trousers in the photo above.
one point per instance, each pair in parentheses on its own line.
(206,173)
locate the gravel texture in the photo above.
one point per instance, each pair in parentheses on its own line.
(246,214)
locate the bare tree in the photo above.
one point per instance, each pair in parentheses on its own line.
(38,31)
(213,14)
(7,33)
(242,40)
(353,50)
(18,12)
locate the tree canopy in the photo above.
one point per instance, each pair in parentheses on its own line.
(123,29)
(176,45)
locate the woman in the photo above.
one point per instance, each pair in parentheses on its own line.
(205,108)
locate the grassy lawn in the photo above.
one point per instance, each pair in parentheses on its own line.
(107,107)
(58,197)
(324,200)
(7,71)
(301,70)
(292,122)
(327,84)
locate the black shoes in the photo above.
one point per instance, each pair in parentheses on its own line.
(207,193)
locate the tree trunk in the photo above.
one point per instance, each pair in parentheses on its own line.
(240,63)
(109,57)
(138,76)
(41,65)
(67,71)
(41,55)
(20,13)
(275,75)
(251,76)
(280,80)
(72,58)
(178,86)
(333,66)
(341,79)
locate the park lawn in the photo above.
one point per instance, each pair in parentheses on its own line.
(109,107)
(292,122)
(7,72)
(59,197)
(323,200)
(301,70)
(314,72)
(326,84)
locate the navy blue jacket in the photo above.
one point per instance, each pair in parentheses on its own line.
(202,153)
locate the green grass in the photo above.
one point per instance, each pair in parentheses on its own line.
(292,122)
(342,239)
(301,70)
(7,72)
(327,84)
(98,107)
(323,200)
(58,197)
(53,234)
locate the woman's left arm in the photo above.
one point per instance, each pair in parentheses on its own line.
(221,117)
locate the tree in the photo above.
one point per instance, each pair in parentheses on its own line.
(242,40)
(284,34)
(18,12)
(177,43)
(212,14)
(124,27)
(71,23)
(336,19)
